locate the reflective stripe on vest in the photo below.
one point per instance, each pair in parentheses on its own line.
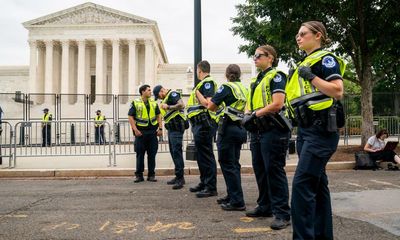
(170,114)
(262,93)
(142,117)
(300,91)
(236,110)
(194,108)
(99,121)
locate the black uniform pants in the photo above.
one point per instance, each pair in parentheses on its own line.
(175,139)
(148,142)
(311,202)
(46,135)
(229,144)
(268,150)
(203,140)
(99,134)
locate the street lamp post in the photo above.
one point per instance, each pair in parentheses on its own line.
(197,38)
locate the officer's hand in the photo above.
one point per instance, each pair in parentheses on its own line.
(137,132)
(305,72)
(164,106)
(248,118)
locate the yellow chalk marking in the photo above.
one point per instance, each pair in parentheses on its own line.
(251,230)
(159,226)
(385,183)
(73,226)
(246,219)
(104,226)
(16,216)
(68,226)
(129,226)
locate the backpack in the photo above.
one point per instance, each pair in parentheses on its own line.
(364,161)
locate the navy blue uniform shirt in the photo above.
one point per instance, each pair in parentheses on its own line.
(277,84)
(328,68)
(173,98)
(224,94)
(207,89)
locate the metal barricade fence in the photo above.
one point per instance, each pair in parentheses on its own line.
(6,144)
(353,126)
(124,139)
(72,138)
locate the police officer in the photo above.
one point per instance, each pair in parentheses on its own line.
(172,109)
(145,120)
(46,127)
(311,91)
(204,125)
(269,143)
(231,136)
(99,127)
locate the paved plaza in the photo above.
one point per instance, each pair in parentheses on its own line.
(365,206)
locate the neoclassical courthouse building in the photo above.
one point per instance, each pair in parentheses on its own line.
(93,49)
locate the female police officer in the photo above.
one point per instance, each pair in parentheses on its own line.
(231,136)
(268,143)
(312,91)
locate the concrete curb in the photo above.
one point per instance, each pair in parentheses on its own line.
(126,172)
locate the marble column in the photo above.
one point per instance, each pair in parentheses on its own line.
(33,84)
(149,62)
(132,63)
(115,66)
(81,67)
(48,77)
(100,66)
(65,69)
(41,68)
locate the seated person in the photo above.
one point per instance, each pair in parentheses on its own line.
(375,148)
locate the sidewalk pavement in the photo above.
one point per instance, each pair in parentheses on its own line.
(98,166)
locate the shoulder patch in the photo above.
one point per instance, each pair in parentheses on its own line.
(328,62)
(220,89)
(278,78)
(174,94)
(207,85)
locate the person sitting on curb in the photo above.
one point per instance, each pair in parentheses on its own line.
(375,147)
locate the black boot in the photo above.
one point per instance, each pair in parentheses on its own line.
(179,183)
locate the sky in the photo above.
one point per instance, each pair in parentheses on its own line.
(174,19)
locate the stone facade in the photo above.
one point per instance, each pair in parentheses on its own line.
(92,49)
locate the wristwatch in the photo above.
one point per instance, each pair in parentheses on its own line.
(159,129)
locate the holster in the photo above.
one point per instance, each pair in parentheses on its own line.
(176,124)
(281,122)
(331,124)
(203,119)
(223,122)
(303,115)
(264,123)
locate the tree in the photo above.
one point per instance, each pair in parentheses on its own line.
(366,31)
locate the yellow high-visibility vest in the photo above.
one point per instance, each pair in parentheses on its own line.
(262,93)
(170,114)
(99,121)
(236,110)
(194,108)
(142,117)
(299,90)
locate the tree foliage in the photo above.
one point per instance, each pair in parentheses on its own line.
(367,32)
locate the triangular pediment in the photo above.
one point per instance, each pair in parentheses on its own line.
(88,13)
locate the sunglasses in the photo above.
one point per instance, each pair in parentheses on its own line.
(258,55)
(302,34)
